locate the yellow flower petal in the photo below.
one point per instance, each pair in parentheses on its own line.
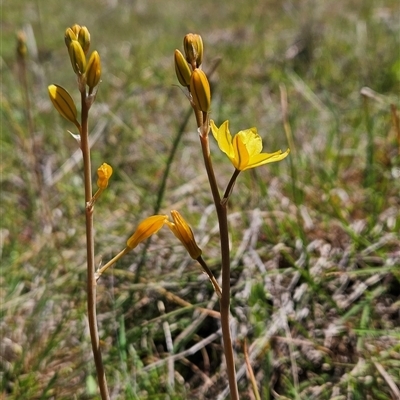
(265,158)
(145,229)
(252,140)
(241,158)
(223,137)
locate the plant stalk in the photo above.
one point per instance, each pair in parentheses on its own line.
(91,280)
(221,208)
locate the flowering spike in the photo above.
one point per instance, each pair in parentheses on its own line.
(200,90)
(182,69)
(77,57)
(84,39)
(193,46)
(93,70)
(104,173)
(184,233)
(63,103)
(244,150)
(145,229)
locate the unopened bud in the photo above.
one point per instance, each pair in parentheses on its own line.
(84,39)
(69,36)
(63,103)
(22,50)
(93,70)
(200,90)
(193,46)
(76,28)
(182,69)
(77,57)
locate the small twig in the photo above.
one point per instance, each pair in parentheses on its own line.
(169,345)
(250,371)
(176,299)
(396,125)
(388,379)
(189,352)
(295,372)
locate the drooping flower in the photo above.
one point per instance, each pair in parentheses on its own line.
(244,149)
(104,173)
(145,229)
(184,233)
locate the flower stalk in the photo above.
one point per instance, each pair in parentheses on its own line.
(77,40)
(91,279)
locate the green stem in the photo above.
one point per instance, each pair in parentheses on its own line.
(91,280)
(221,208)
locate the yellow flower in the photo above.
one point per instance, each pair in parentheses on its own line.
(244,150)
(184,233)
(104,173)
(145,229)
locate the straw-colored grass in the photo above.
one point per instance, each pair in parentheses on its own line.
(315,238)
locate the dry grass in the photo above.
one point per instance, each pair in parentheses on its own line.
(315,239)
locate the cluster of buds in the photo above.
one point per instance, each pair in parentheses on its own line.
(77,40)
(189,73)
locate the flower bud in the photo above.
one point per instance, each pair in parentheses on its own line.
(104,173)
(184,233)
(63,103)
(145,229)
(193,46)
(93,70)
(77,57)
(200,90)
(22,49)
(69,36)
(182,69)
(84,39)
(76,28)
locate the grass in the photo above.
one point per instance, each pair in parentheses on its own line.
(315,239)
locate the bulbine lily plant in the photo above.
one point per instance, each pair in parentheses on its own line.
(243,149)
